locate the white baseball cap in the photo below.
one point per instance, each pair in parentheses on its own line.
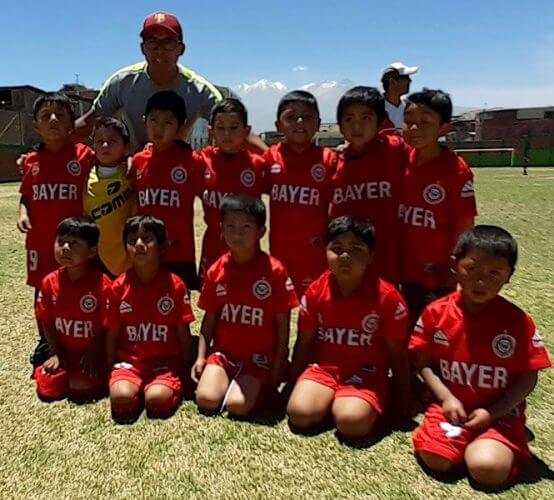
(400,68)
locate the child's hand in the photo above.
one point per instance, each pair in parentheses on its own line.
(478,419)
(197,369)
(454,410)
(24,224)
(89,364)
(52,364)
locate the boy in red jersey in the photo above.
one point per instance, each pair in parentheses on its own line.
(299,184)
(51,189)
(353,327)
(70,306)
(438,201)
(368,178)
(479,354)
(148,339)
(228,169)
(247,296)
(165,179)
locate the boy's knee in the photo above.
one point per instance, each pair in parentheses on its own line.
(353,425)
(303,417)
(208,400)
(239,408)
(161,402)
(435,463)
(486,471)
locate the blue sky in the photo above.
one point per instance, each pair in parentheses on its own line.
(496,52)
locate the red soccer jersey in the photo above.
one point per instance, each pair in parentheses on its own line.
(300,189)
(480,356)
(435,195)
(242,173)
(53,186)
(146,317)
(246,299)
(76,307)
(166,184)
(370,186)
(351,332)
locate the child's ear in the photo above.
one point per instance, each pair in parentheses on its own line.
(210,134)
(92,252)
(278,127)
(183,48)
(35,126)
(446,128)
(248,130)
(263,230)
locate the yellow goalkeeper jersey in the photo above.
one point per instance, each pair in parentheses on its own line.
(109,201)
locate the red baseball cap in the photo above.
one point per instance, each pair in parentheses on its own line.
(165,21)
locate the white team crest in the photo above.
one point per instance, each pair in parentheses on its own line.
(318,172)
(468,191)
(451,431)
(370,323)
(275,168)
(220,290)
(74,168)
(207,174)
(248,178)
(35,169)
(178,175)
(165,305)
(289,285)
(439,337)
(538,342)
(261,289)
(400,312)
(504,345)
(88,303)
(434,194)
(125,307)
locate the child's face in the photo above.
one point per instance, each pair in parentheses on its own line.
(109,147)
(72,251)
(348,256)
(229,132)
(298,122)
(53,122)
(143,248)
(358,125)
(422,126)
(162,128)
(481,276)
(241,232)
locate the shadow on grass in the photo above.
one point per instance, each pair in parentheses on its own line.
(381,431)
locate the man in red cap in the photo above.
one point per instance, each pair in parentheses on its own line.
(128,89)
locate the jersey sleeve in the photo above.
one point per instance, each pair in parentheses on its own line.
(463,193)
(25,187)
(421,339)
(268,162)
(208,296)
(185,314)
(199,170)
(112,316)
(44,304)
(396,317)
(285,296)
(108,101)
(536,355)
(307,318)
(104,296)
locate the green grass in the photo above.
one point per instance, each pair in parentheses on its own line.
(69,451)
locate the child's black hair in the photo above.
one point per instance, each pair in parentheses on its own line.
(490,239)
(113,124)
(146,223)
(369,97)
(436,100)
(297,96)
(229,105)
(358,226)
(81,227)
(167,100)
(53,98)
(246,204)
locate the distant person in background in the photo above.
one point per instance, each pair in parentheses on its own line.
(525,164)
(396,83)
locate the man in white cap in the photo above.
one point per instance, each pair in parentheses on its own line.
(396,83)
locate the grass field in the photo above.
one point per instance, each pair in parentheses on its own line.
(68,451)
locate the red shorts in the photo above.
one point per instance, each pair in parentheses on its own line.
(144,378)
(54,386)
(39,264)
(361,383)
(436,436)
(257,367)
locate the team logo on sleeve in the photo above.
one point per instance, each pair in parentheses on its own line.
(538,342)
(74,168)
(318,172)
(88,303)
(248,178)
(504,345)
(439,337)
(178,175)
(370,323)
(434,194)
(289,285)
(207,174)
(275,168)
(468,191)
(400,312)
(35,169)
(261,289)
(125,307)
(220,290)
(165,305)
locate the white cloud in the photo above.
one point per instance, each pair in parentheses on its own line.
(300,68)
(506,97)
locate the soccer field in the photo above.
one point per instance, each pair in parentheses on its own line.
(69,451)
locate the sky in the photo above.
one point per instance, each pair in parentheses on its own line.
(485,53)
